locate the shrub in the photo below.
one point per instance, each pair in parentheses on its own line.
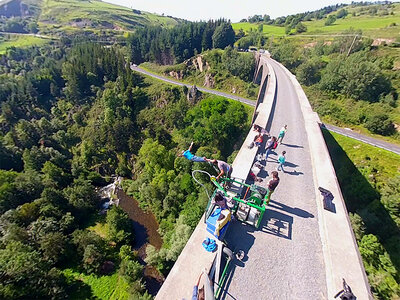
(379,123)
(92,258)
(330,20)
(308,73)
(356,77)
(300,27)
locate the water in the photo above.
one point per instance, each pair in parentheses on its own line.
(145,232)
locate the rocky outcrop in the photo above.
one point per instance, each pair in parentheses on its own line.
(176,74)
(209,81)
(193,95)
(378,42)
(198,63)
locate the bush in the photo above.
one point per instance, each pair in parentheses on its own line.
(330,20)
(308,73)
(300,27)
(131,270)
(92,259)
(119,225)
(356,77)
(379,123)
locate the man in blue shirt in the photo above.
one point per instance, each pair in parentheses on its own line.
(190,156)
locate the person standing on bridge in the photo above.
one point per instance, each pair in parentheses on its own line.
(269,146)
(281,161)
(188,155)
(224,168)
(282,133)
(272,184)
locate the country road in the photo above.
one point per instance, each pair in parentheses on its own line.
(346,132)
(363,138)
(42,36)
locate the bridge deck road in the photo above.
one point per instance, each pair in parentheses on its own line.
(284,258)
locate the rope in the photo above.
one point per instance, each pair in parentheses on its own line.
(194,177)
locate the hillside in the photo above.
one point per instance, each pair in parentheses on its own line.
(68,16)
(375,20)
(97,15)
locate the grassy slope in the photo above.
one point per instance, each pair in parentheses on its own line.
(372,26)
(58,17)
(367,158)
(97,287)
(362,170)
(267,29)
(20,42)
(102,287)
(64,13)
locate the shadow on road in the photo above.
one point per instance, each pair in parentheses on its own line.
(277,223)
(294,172)
(240,237)
(292,146)
(291,210)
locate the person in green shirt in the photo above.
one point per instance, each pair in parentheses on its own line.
(281,161)
(282,133)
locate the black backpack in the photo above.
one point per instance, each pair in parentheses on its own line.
(346,293)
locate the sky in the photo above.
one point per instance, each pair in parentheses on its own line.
(235,10)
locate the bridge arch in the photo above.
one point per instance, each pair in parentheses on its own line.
(259,75)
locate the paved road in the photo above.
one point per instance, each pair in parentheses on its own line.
(48,37)
(215,92)
(363,138)
(357,136)
(284,258)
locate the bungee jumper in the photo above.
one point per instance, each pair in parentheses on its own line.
(190,156)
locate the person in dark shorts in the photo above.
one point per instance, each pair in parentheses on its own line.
(269,147)
(272,184)
(224,168)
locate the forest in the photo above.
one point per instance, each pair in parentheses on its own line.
(71,117)
(174,45)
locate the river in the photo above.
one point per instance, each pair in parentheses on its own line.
(145,233)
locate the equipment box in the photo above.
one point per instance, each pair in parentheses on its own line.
(218,228)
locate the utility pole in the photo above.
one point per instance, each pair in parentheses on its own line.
(351,46)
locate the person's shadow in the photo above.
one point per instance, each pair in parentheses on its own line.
(292,146)
(291,210)
(294,172)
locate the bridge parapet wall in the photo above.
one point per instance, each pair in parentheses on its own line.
(341,255)
(263,117)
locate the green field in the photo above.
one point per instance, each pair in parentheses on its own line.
(375,164)
(97,287)
(372,26)
(267,29)
(21,42)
